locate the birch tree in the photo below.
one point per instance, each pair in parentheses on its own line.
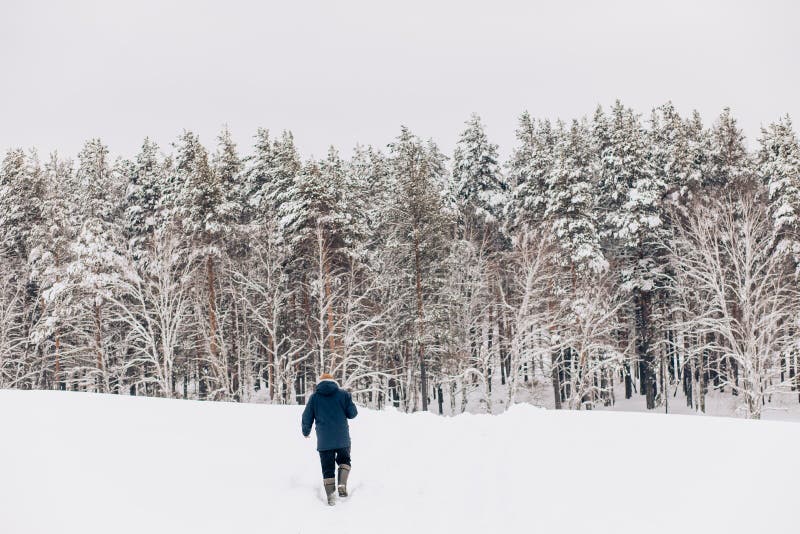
(733,287)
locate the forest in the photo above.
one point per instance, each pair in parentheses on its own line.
(618,254)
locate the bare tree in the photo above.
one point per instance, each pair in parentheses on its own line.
(263,284)
(153,304)
(13,341)
(738,297)
(588,321)
(529,301)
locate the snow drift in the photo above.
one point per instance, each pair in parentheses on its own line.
(82,463)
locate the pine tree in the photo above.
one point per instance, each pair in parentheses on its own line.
(420,226)
(95,177)
(671,142)
(143,197)
(60,219)
(50,243)
(640,221)
(255,184)
(200,197)
(632,192)
(571,217)
(678,152)
(728,159)
(315,226)
(479,187)
(92,275)
(310,205)
(21,196)
(530,165)
(199,213)
(570,199)
(779,169)
(367,194)
(228,168)
(286,165)
(699,148)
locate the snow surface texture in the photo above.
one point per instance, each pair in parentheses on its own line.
(84,463)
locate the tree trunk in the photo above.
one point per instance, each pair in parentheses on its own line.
(203,368)
(556,380)
(647,376)
(102,381)
(422,372)
(271,368)
(331,339)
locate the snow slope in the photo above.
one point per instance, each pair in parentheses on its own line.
(81,463)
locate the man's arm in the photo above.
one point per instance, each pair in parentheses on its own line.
(350,410)
(308,417)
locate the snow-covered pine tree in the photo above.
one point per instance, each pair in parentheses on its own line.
(286,165)
(571,209)
(308,224)
(352,204)
(613,182)
(143,197)
(228,167)
(200,197)
(199,215)
(420,226)
(779,170)
(479,187)
(530,165)
(482,194)
(631,189)
(729,163)
(367,193)
(21,195)
(101,189)
(22,191)
(323,224)
(673,144)
(256,180)
(91,277)
(312,201)
(633,193)
(50,251)
(699,147)
(79,276)
(571,215)
(11,177)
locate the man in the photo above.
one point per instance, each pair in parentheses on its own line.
(330,407)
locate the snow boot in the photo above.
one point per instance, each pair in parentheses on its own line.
(344,472)
(330,490)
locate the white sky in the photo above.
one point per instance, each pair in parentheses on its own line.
(341,72)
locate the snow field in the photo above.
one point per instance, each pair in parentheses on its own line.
(83,463)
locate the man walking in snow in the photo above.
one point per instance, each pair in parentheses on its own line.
(330,407)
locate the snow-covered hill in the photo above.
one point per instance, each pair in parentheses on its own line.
(81,463)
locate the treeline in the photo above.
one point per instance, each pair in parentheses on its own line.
(652,255)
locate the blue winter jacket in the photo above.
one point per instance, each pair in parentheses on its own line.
(330,407)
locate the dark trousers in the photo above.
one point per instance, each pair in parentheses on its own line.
(329,459)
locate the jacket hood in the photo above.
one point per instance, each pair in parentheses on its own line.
(327,387)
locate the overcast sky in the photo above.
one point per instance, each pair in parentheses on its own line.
(354,71)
